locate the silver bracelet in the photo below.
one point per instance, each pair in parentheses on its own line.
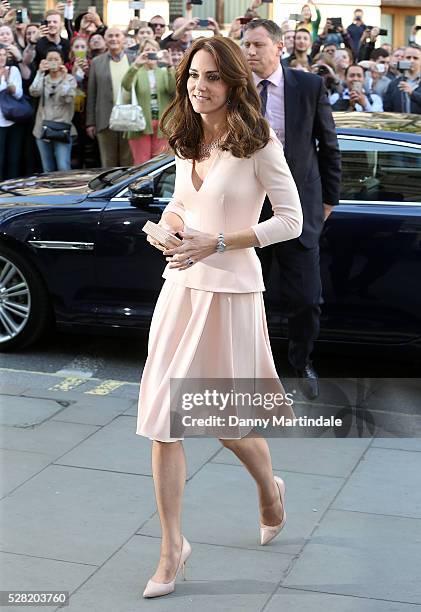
(220,245)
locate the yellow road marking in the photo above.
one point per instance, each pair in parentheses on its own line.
(70,382)
(105,387)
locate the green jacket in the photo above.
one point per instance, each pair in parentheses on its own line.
(165,89)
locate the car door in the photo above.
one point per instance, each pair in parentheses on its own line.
(371,245)
(128,269)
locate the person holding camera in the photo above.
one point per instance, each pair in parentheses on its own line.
(354,97)
(404,93)
(356,29)
(154,78)
(56,89)
(324,67)
(50,37)
(11,134)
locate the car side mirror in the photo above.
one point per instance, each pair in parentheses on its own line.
(141,193)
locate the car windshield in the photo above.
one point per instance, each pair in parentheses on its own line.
(112,177)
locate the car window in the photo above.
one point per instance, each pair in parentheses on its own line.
(164,183)
(380,171)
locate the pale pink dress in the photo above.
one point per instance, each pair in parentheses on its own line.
(209,320)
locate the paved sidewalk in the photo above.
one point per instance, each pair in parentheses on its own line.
(78,513)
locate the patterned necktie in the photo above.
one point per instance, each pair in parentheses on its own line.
(264,94)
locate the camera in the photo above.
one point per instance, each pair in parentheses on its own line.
(244,20)
(357,86)
(336,23)
(321,70)
(22,15)
(403,65)
(203,23)
(382,32)
(417,28)
(199,2)
(295,17)
(152,56)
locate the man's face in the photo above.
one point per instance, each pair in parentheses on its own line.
(176,56)
(114,39)
(355,75)
(158,26)
(145,32)
(54,24)
(397,56)
(358,17)
(385,61)
(97,43)
(289,39)
(413,55)
(261,53)
(302,41)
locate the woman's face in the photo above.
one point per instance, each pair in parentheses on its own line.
(6,35)
(54,59)
(3,58)
(97,43)
(176,56)
(206,90)
(31,35)
(143,33)
(306,12)
(80,44)
(151,48)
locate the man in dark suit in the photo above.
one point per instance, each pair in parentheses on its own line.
(296,105)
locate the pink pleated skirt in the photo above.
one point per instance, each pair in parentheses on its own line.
(197,334)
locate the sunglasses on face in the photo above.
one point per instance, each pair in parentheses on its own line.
(156,25)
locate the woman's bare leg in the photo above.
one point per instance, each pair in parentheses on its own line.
(169,475)
(255,455)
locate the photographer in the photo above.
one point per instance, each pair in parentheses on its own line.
(376,80)
(51,39)
(404,93)
(356,30)
(56,90)
(325,68)
(155,87)
(331,35)
(368,42)
(354,97)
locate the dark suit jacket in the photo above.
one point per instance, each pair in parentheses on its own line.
(311,149)
(393,99)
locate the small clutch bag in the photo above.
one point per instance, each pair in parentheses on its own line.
(161,235)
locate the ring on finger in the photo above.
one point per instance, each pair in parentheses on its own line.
(189,261)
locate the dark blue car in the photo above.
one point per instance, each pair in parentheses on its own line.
(72,252)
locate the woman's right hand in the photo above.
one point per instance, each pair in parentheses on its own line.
(141,59)
(169,227)
(44,66)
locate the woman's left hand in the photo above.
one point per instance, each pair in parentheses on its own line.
(196,246)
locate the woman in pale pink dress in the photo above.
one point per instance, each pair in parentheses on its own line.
(209,320)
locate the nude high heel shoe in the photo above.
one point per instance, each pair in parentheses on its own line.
(156,589)
(268,532)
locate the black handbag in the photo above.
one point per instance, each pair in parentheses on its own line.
(17,110)
(57,131)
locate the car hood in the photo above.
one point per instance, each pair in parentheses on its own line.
(51,188)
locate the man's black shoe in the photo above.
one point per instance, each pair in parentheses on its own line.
(308,381)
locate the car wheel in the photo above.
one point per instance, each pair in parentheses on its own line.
(24,304)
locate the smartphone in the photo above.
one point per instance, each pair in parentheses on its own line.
(403,65)
(199,2)
(336,22)
(203,23)
(244,20)
(91,9)
(295,17)
(383,32)
(417,28)
(19,16)
(268,1)
(357,86)
(80,54)
(44,23)
(152,56)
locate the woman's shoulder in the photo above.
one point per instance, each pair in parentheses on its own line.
(272,147)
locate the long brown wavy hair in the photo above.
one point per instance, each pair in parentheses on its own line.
(247,129)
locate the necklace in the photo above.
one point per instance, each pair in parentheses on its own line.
(206,149)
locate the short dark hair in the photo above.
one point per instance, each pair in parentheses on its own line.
(353,66)
(380,52)
(272,28)
(303,30)
(358,10)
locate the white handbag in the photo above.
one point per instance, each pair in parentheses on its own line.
(127,117)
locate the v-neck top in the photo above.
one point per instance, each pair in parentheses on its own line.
(230,199)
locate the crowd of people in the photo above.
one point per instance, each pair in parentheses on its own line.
(66,74)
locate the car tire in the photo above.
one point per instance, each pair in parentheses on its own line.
(26,311)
